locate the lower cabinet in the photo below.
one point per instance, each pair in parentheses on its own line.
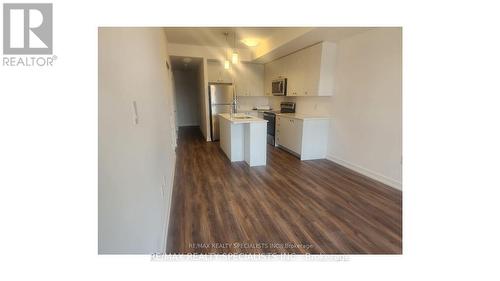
(307,138)
(289,133)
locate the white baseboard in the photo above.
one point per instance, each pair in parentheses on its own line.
(371,174)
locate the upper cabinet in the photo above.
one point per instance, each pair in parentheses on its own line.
(217,73)
(295,79)
(309,72)
(269,76)
(249,79)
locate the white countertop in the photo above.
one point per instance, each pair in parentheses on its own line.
(303,116)
(250,119)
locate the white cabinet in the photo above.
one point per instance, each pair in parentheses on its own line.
(240,83)
(256,74)
(279,69)
(269,76)
(288,131)
(295,77)
(249,79)
(273,70)
(306,138)
(310,71)
(217,73)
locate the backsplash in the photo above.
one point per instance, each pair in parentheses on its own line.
(304,105)
(312,105)
(274,102)
(247,103)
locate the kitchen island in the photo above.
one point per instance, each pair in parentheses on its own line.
(243,138)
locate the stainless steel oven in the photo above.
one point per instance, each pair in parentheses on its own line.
(271,124)
(279,87)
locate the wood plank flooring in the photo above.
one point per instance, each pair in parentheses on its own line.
(288,206)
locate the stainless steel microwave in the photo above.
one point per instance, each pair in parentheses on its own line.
(279,87)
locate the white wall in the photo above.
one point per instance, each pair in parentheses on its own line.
(136,161)
(311,105)
(204,101)
(366,127)
(186,97)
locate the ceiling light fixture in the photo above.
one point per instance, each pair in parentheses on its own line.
(235,53)
(235,58)
(186,60)
(250,42)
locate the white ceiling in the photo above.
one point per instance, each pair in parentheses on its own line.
(303,38)
(214,36)
(274,41)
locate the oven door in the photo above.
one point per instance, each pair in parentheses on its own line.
(271,126)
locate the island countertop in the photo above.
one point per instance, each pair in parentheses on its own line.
(243,138)
(237,118)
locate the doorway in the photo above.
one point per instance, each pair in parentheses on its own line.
(188,83)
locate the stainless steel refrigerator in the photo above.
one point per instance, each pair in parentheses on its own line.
(221,101)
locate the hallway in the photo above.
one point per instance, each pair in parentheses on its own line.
(288,206)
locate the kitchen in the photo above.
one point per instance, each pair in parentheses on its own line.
(270,91)
(277,135)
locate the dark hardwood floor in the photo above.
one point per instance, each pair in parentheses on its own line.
(288,206)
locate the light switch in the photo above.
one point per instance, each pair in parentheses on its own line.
(136,115)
